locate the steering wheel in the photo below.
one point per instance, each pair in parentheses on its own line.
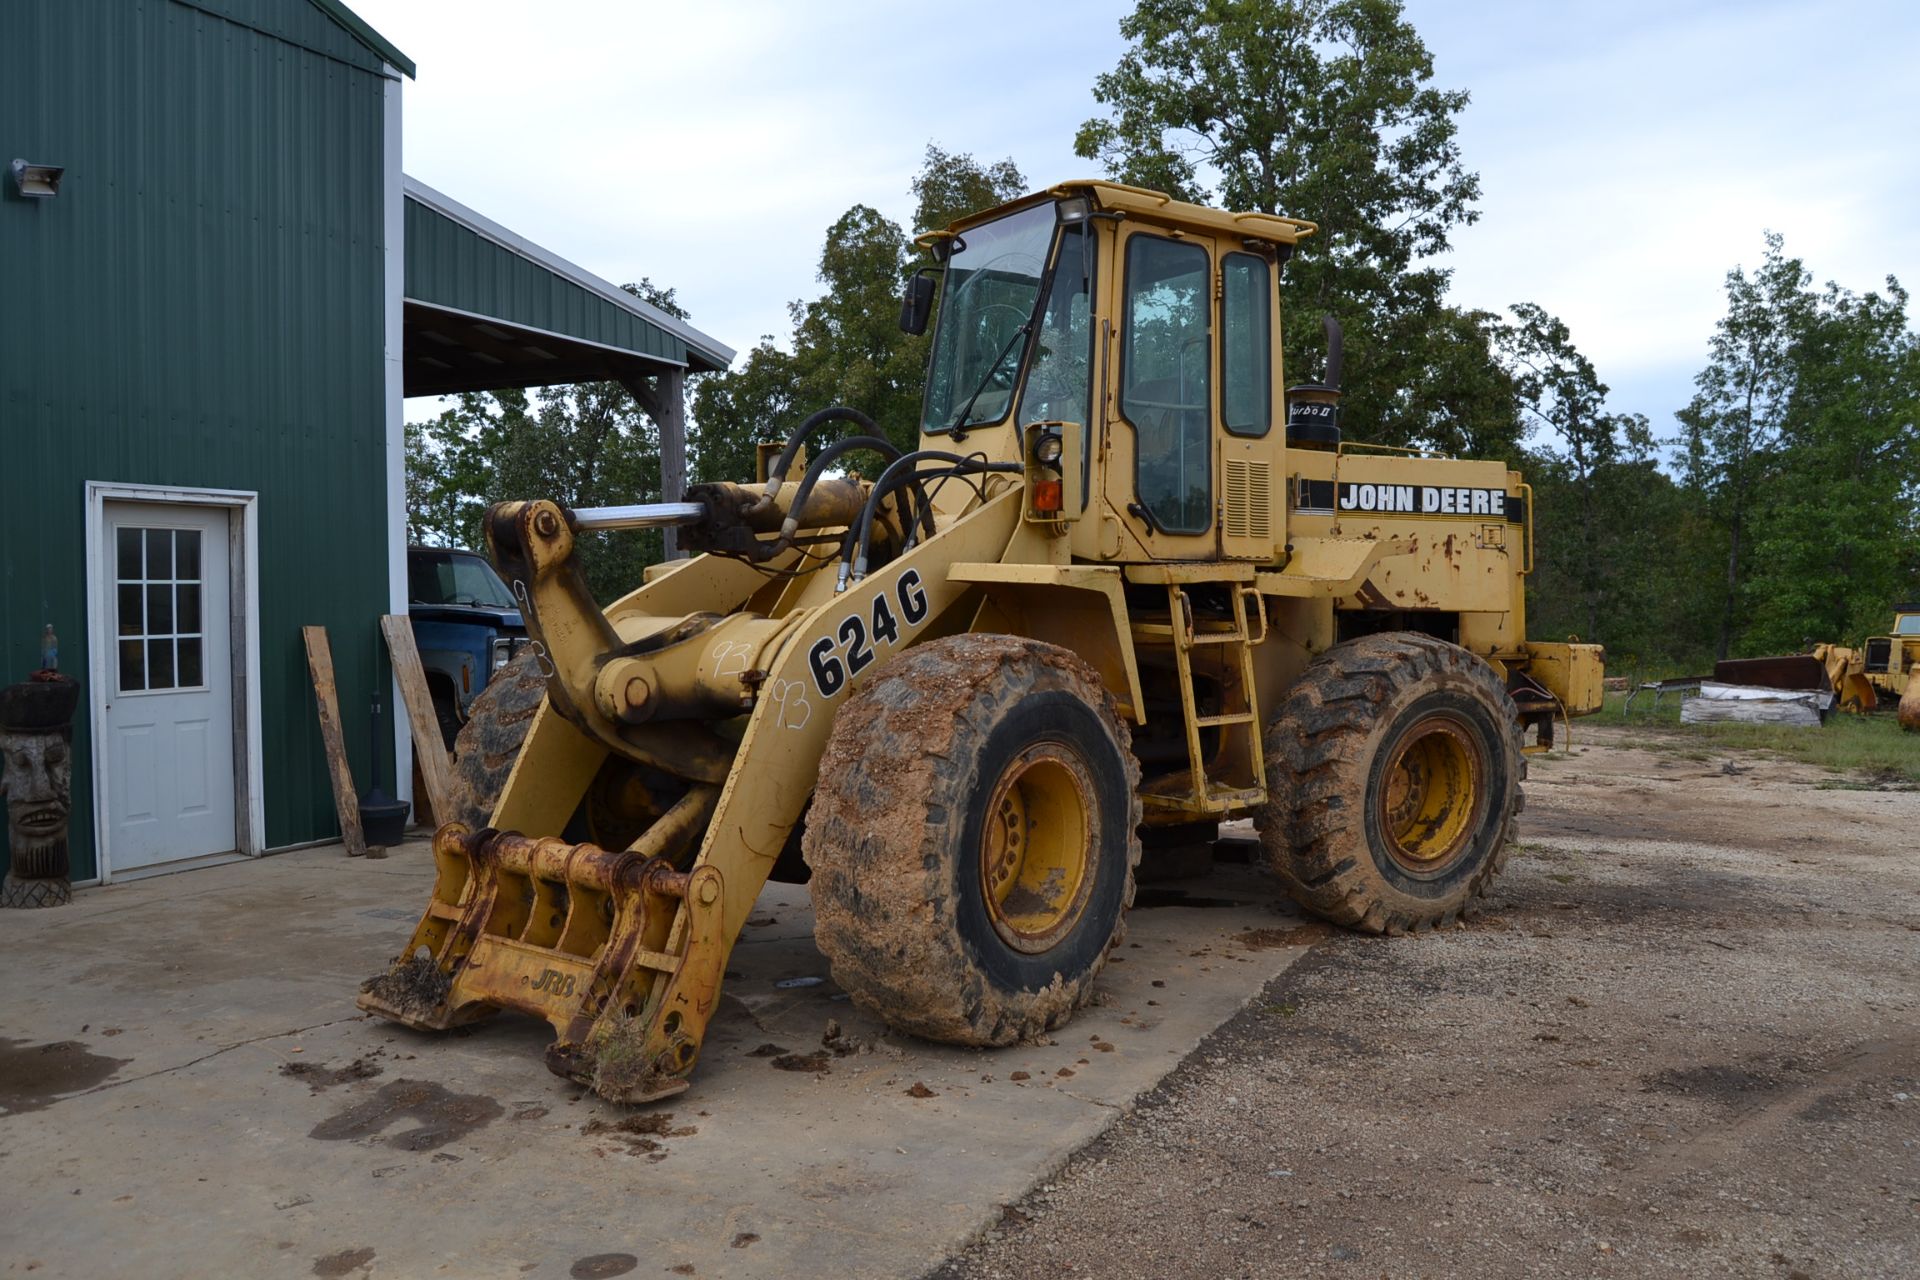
(987,339)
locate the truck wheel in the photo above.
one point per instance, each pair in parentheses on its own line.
(1393,778)
(446,710)
(973,839)
(489,743)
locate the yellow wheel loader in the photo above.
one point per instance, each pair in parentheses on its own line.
(1891,663)
(1129,581)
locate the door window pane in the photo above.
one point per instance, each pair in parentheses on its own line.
(160,663)
(131,612)
(189,663)
(159,555)
(127,552)
(157,602)
(160,609)
(1166,391)
(1246,379)
(133,666)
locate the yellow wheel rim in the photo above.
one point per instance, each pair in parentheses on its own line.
(1036,855)
(1433,797)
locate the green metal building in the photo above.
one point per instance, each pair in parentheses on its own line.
(219,289)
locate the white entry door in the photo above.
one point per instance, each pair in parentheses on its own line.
(169,710)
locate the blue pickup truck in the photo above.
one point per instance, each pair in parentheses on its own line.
(465,624)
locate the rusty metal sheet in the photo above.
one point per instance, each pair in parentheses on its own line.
(1797,671)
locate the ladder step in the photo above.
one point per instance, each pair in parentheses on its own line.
(1234,717)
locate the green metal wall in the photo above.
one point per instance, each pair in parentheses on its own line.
(201,305)
(451,266)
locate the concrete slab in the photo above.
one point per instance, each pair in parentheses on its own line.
(187,1090)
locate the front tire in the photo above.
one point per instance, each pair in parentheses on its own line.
(973,838)
(1393,779)
(486,746)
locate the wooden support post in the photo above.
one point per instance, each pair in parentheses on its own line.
(665,401)
(429,749)
(346,802)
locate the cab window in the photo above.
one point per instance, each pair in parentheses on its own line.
(1246,345)
(1059,388)
(1166,390)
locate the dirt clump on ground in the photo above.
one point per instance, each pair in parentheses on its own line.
(1684,1041)
(818,1063)
(1300,935)
(319,1077)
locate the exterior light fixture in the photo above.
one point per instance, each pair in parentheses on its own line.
(37,180)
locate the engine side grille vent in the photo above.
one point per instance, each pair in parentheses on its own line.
(1249,494)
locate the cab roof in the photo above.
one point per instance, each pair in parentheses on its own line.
(1117,197)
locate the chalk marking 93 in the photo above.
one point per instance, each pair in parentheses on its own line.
(857,634)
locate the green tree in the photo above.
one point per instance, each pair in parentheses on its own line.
(846,345)
(734,411)
(1836,543)
(1734,421)
(1585,447)
(1322,109)
(582,445)
(949,187)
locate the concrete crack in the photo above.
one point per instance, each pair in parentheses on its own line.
(238,1044)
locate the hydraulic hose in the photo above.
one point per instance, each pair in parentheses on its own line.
(818,465)
(900,472)
(777,474)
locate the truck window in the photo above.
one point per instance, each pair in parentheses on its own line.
(1166,392)
(455,577)
(1246,345)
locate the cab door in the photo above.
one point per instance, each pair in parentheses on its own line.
(1162,461)
(1251,470)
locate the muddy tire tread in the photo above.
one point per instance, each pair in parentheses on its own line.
(1312,835)
(490,741)
(877,838)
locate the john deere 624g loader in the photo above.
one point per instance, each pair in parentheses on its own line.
(1128,579)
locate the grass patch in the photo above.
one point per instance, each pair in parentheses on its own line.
(1874,747)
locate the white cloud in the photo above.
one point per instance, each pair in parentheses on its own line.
(1630,152)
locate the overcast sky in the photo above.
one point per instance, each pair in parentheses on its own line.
(1630,152)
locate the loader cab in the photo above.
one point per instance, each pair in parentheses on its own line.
(1149,329)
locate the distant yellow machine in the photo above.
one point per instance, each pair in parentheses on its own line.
(1128,578)
(1890,663)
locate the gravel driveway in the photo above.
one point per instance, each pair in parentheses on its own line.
(1683,1040)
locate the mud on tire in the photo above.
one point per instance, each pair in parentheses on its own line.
(489,742)
(1370,757)
(922,905)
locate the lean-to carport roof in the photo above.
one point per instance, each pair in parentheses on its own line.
(487,309)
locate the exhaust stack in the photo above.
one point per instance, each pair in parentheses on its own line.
(1313,408)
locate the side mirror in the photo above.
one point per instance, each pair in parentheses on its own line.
(916,305)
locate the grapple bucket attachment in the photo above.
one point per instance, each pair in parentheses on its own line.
(619,951)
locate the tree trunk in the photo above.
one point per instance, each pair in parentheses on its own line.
(1733,586)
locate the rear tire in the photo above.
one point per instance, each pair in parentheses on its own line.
(973,839)
(1393,779)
